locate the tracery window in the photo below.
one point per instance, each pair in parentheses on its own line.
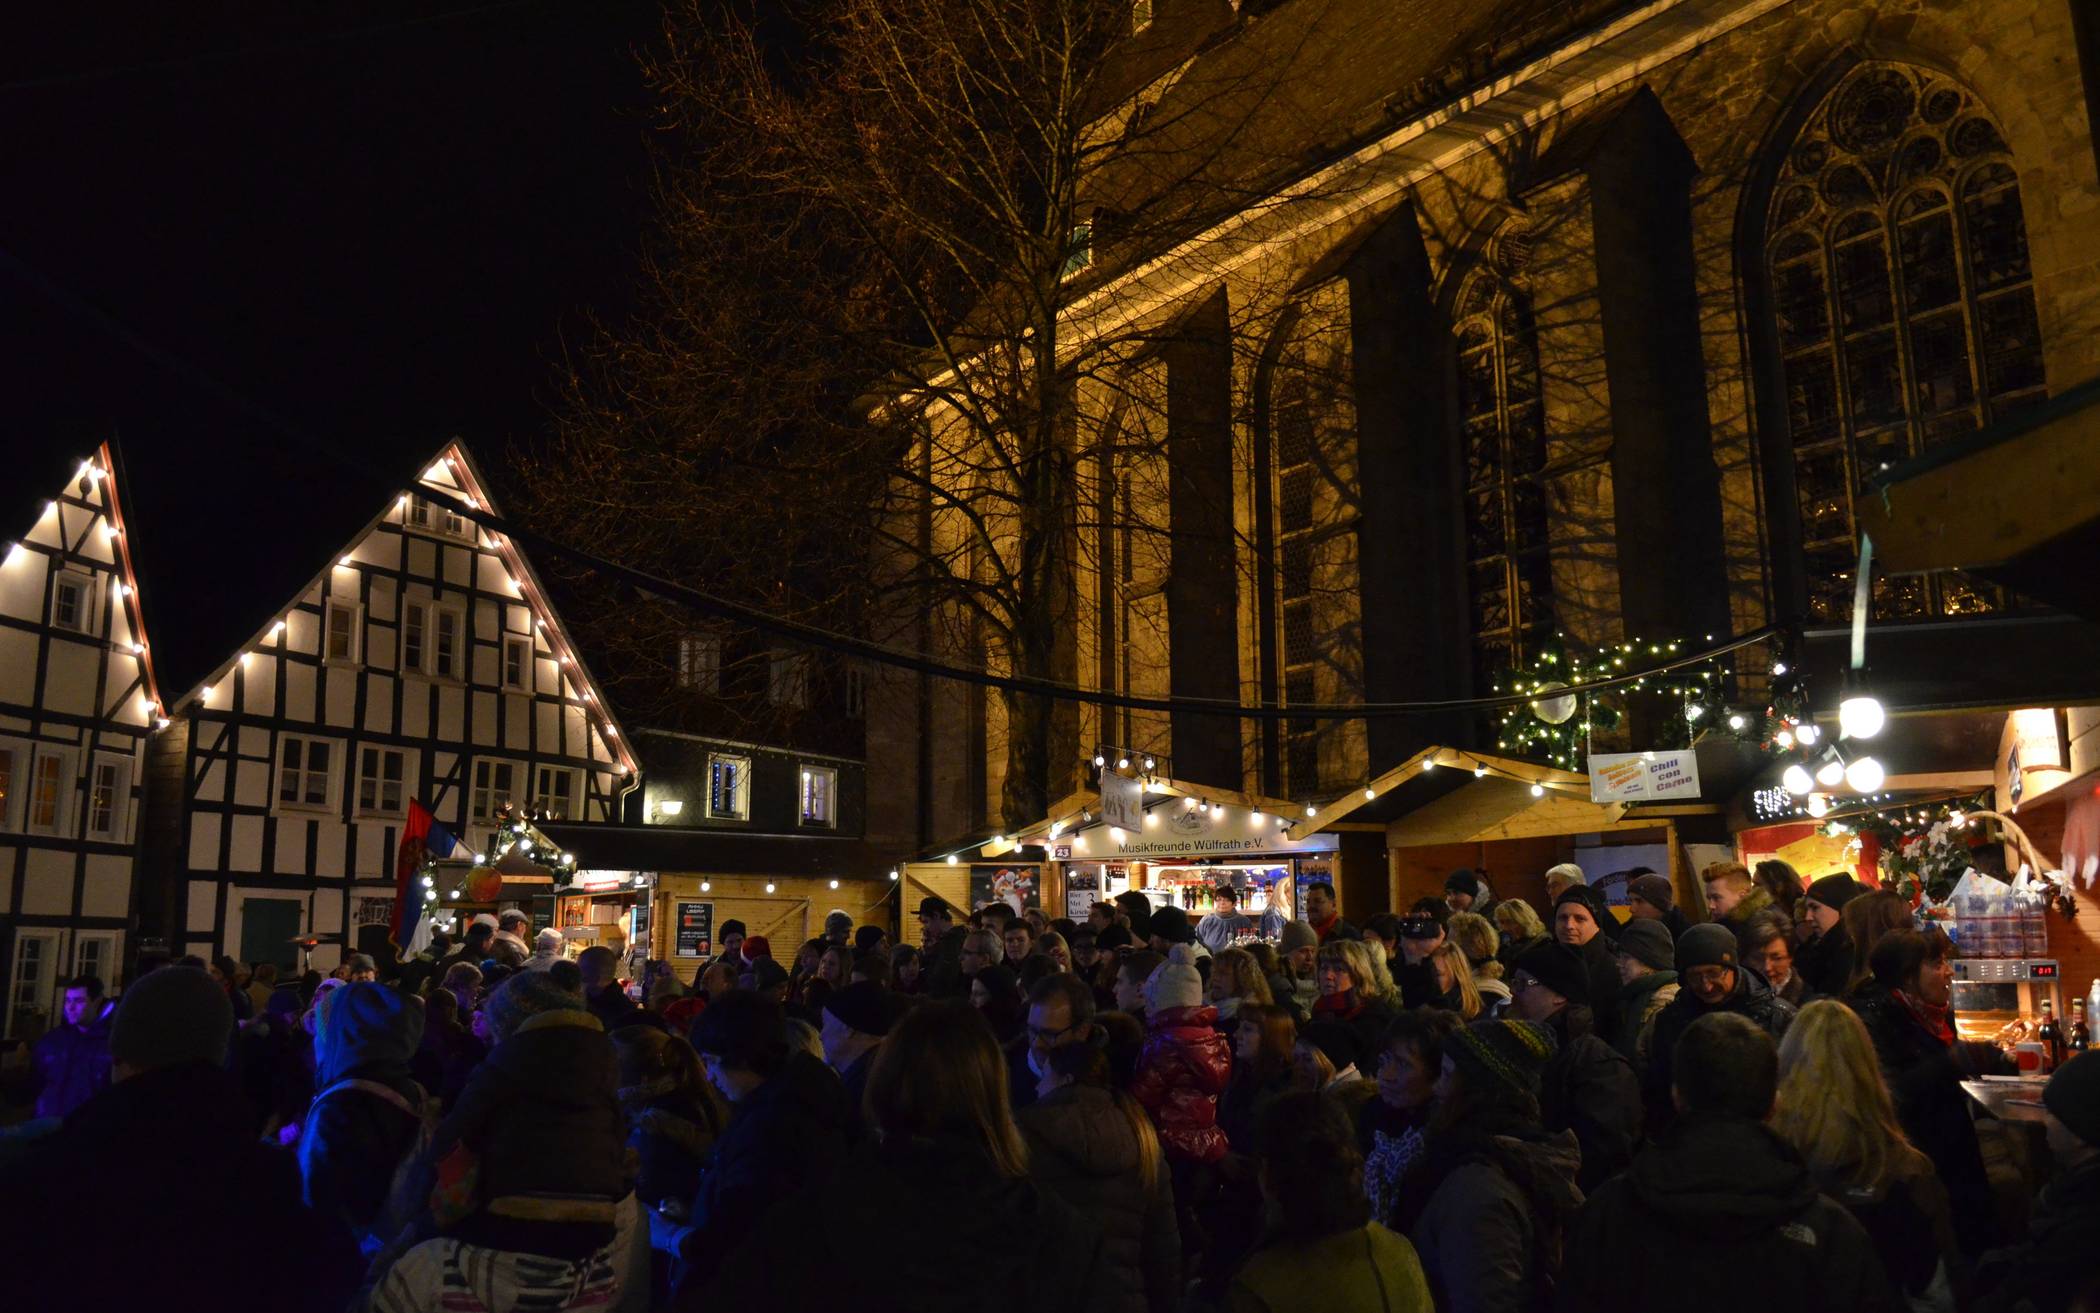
(1904,309)
(1509,576)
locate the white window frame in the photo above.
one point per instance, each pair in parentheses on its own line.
(420,610)
(700,663)
(819,796)
(440,521)
(356,633)
(366,754)
(522,647)
(545,774)
(305,772)
(63,778)
(482,798)
(119,819)
(739,808)
(787,679)
(48,957)
(105,970)
(86,607)
(439,652)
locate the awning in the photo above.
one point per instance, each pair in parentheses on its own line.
(703,850)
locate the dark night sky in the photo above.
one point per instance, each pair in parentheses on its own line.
(379,220)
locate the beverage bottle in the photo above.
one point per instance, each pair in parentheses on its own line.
(2051,1036)
(2080,1039)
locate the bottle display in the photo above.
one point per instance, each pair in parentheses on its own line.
(2051,1037)
(2079,1039)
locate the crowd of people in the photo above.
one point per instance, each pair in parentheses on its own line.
(1462,1107)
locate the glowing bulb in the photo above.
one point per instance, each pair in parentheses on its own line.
(1830,772)
(1148,763)
(1258,820)
(1783,740)
(123,590)
(481,859)
(1429,765)
(1779,667)
(893,873)
(1807,732)
(1217,809)
(1818,805)
(1861,716)
(1151,818)
(1189,803)
(951,859)
(707,886)
(1957,820)
(1122,763)
(769,886)
(1115,834)
(345,561)
(1736,722)
(162,723)
(1797,780)
(1538,790)
(138,649)
(1311,810)
(207,692)
(1480,772)
(1864,775)
(1100,760)
(1369,793)
(834,884)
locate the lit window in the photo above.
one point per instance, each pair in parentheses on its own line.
(47,792)
(381,781)
(728,787)
(305,771)
(109,789)
(553,792)
(495,786)
(434,518)
(820,786)
(341,640)
(72,602)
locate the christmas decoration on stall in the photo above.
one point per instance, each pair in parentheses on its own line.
(1926,847)
(513,838)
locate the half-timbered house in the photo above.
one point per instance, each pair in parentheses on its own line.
(77,704)
(421,660)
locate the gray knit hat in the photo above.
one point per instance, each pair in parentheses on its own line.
(170,1016)
(1297,935)
(1647,942)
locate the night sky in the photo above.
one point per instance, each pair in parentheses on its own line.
(379,221)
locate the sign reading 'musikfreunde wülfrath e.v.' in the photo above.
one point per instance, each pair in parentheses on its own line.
(1643,776)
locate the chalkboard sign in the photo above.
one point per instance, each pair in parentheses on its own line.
(695,930)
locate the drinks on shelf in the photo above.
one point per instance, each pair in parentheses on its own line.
(2051,1037)
(2079,1039)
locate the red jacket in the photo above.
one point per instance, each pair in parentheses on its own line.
(1181,1071)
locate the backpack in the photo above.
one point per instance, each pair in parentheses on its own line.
(399,1210)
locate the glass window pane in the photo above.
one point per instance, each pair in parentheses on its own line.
(1828,571)
(1997,230)
(1927,250)
(1297,568)
(1939,356)
(1820,489)
(1874,377)
(1483,523)
(2012,342)
(1862,284)
(1798,300)
(1296,512)
(1811,398)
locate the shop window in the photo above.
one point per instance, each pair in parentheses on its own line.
(1902,308)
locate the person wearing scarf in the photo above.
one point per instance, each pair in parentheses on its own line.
(1349,994)
(1906,1008)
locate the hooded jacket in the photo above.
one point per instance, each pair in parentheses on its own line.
(1752,998)
(1181,1071)
(1082,1149)
(1720,1214)
(1640,1002)
(1479,1232)
(367,1110)
(1590,1089)
(1825,966)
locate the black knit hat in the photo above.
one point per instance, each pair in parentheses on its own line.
(1464,880)
(1512,1054)
(1557,967)
(1172,924)
(1707,945)
(1653,890)
(170,1016)
(1647,942)
(1600,911)
(1834,891)
(2073,1097)
(864,1006)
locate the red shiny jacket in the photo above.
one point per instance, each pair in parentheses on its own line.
(1181,1071)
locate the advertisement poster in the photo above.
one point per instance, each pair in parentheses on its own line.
(1019,887)
(1082,891)
(695,930)
(1643,776)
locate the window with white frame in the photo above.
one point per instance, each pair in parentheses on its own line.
(382,781)
(820,787)
(415,635)
(33,974)
(554,792)
(109,798)
(700,663)
(305,771)
(50,775)
(447,643)
(73,602)
(517,662)
(495,785)
(433,518)
(95,954)
(787,679)
(728,786)
(340,632)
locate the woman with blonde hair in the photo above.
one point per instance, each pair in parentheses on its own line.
(1349,992)
(1520,926)
(1834,1108)
(1235,981)
(1476,937)
(1454,981)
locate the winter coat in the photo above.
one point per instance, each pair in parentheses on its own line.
(1083,1149)
(1907,1217)
(853,1083)
(1246,1098)
(925,1226)
(1367,1270)
(786,1136)
(1639,1004)
(614,1009)
(367,1111)
(1590,1088)
(1825,965)
(1479,1229)
(1751,998)
(1757,899)
(1924,1077)
(1720,1214)
(1512,949)
(1367,1018)
(1217,931)
(72,1062)
(274,1060)
(2056,1260)
(1181,1071)
(940,970)
(671,1133)
(1494,996)
(156,1194)
(1601,965)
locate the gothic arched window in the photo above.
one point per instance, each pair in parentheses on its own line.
(1509,575)
(1904,308)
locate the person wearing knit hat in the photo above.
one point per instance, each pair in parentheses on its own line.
(1502,1055)
(1649,897)
(753,948)
(1588,1087)
(1824,962)
(1297,936)
(169,1017)
(1185,1062)
(1710,980)
(1647,985)
(2055,1263)
(1465,891)
(855,1021)
(1583,922)
(1338,1048)
(838,925)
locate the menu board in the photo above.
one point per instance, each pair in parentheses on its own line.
(695,927)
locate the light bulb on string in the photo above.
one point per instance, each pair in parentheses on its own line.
(1831,771)
(1865,775)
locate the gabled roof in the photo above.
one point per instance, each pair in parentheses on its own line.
(449,473)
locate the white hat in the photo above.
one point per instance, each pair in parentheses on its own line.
(1176,984)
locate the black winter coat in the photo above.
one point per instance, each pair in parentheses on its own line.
(356,1135)
(1590,1089)
(1601,966)
(1826,965)
(786,1136)
(1752,998)
(922,1226)
(1720,1214)
(1082,1149)
(940,970)
(1925,1081)
(2056,1262)
(156,1194)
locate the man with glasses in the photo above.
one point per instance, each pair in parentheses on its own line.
(1708,981)
(940,943)
(1060,1012)
(980,948)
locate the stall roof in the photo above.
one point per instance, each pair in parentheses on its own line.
(1074,812)
(701,849)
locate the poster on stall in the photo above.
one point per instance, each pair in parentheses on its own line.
(1082,891)
(1643,776)
(694,930)
(1122,802)
(1019,887)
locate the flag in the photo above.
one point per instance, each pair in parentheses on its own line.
(423,836)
